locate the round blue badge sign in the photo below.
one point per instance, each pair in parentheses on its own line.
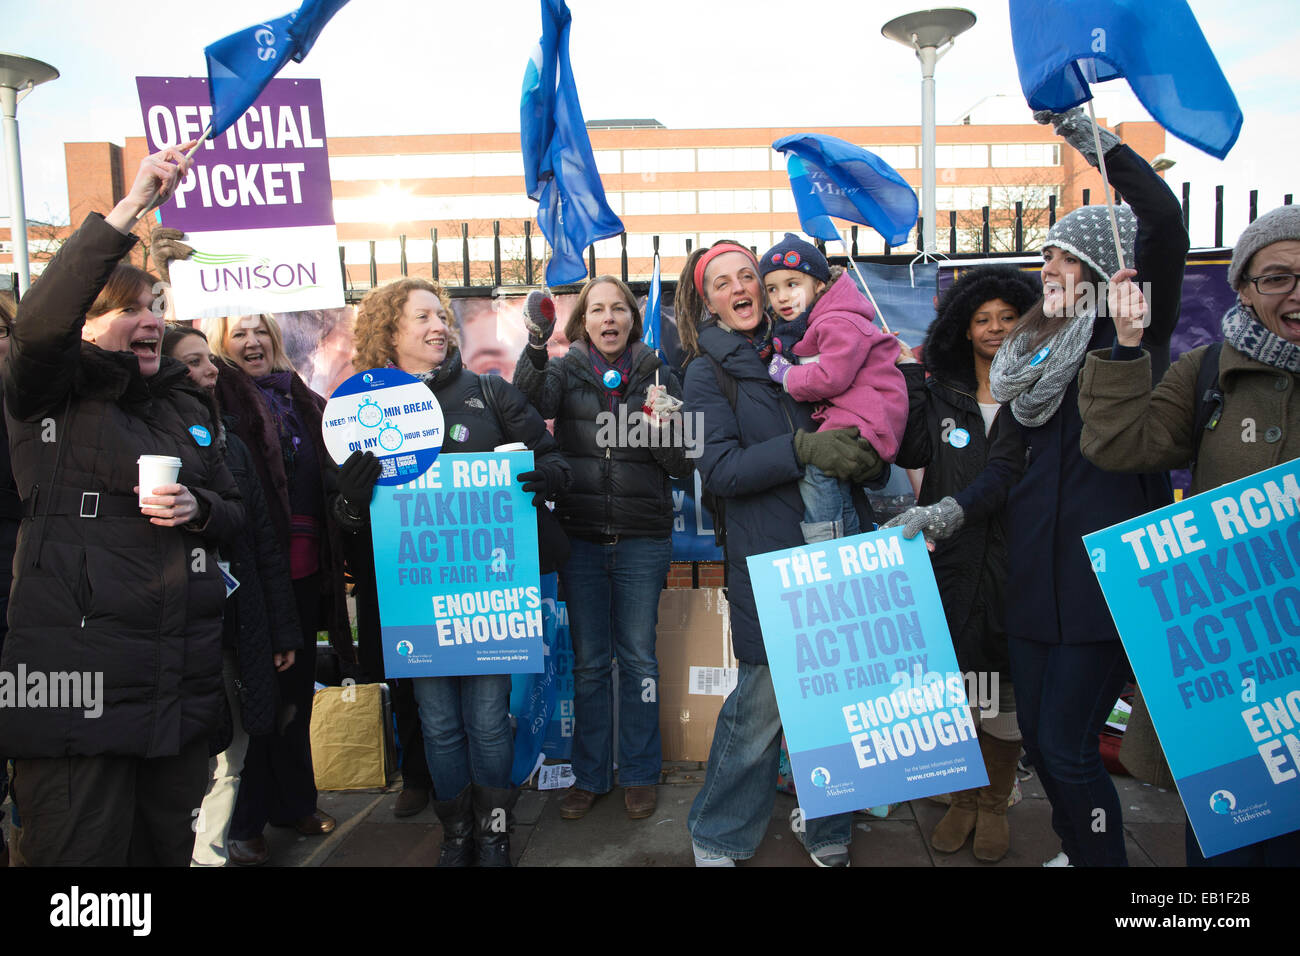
(959,438)
(202,437)
(390,413)
(612,378)
(1040,355)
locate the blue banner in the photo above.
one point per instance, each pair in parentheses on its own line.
(543,703)
(871,699)
(692,522)
(1204,594)
(457,570)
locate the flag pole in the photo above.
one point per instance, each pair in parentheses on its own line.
(1105,185)
(188,153)
(865,288)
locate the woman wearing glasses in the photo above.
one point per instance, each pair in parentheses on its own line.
(1126,427)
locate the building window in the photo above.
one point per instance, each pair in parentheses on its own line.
(1026,154)
(962,156)
(658,161)
(732,160)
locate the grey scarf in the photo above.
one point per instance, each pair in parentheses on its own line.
(1245,333)
(1034,382)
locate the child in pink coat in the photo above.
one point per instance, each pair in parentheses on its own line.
(845,364)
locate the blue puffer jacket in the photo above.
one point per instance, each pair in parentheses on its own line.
(749,462)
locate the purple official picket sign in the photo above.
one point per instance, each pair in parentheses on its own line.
(390,413)
(270,170)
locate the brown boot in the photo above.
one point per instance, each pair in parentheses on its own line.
(992,834)
(951,833)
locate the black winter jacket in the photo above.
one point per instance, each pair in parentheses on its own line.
(97,586)
(250,419)
(262,614)
(1053,594)
(750,463)
(619,490)
(972,564)
(487,422)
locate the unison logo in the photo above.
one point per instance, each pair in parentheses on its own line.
(235,272)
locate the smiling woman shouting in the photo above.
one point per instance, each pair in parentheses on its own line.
(618,515)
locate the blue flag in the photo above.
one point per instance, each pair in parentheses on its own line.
(240,65)
(559,168)
(831,177)
(653,311)
(1063,45)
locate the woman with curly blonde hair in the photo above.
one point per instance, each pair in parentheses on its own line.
(468,741)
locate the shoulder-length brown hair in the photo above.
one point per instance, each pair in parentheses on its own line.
(217,330)
(379,313)
(575,330)
(122,290)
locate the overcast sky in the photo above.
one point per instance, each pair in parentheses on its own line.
(426,66)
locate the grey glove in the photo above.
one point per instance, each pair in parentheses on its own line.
(838,451)
(1075,127)
(938,521)
(165,246)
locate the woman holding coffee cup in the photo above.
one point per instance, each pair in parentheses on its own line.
(125,588)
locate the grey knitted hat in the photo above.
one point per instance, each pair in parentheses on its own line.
(1086,233)
(1280,224)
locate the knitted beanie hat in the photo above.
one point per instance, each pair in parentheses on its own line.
(1086,233)
(1281,224)
(795,254)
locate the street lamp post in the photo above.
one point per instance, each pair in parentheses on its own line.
(18,76)
(931,34)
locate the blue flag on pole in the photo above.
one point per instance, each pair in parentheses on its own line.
(559,168)
(1064,45)
(653,311)
(240,65)
(833,178)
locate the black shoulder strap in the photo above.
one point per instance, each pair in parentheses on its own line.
(1209,398)
(725,382)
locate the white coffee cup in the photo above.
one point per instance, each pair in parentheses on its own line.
(512,446)
(156,471)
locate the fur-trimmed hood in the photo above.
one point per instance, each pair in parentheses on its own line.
(947,353)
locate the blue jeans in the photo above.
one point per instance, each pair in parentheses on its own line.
(467,735)
(612,595)
(731,812)
(827,499)
(1064,693)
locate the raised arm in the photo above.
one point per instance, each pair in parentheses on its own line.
(47,333)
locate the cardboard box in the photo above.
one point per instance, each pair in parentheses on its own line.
(697,669)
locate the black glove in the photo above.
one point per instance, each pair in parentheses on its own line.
(165,246)
(357,477)
(836,451)
(541,483)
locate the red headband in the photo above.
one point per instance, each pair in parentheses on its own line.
(720,249)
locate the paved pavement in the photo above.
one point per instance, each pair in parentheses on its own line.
(369,835)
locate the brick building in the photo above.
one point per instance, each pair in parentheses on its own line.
(683,185)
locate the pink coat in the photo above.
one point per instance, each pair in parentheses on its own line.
(847,365)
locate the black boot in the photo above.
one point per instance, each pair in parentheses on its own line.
(457,818)
(494,821)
